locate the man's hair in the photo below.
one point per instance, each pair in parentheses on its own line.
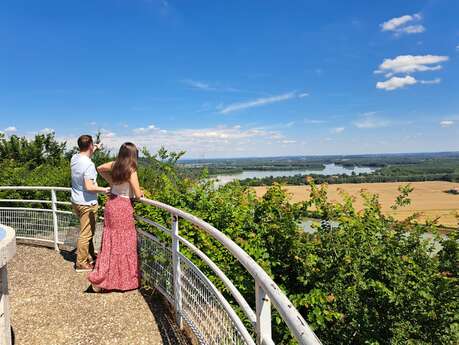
(84,142)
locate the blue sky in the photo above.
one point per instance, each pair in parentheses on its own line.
(234,78)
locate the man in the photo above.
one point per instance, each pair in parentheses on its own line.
(84,201)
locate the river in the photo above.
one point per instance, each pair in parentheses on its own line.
(330,169)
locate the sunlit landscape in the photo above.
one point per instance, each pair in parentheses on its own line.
(430,199)
(229,172)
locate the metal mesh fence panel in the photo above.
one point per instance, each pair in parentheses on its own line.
(203,310)
(29,223)
(37,224)
(156,265)
(69,230)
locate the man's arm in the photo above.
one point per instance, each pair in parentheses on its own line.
(90,186)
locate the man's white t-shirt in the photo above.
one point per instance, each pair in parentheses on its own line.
(82,169)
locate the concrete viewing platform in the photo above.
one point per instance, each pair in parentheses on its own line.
(49,306)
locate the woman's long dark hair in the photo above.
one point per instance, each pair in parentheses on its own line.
(125,163)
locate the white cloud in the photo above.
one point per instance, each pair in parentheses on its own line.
(313,121)
(195,84)
(369,113)
(10,129)
(457,47)
(205,86)
(446,123)
(399,82)
(433,81)
(46,130)
(404,25)
(216,141)
(370,120)
(260,101)
(219,134)
(234,132)
(414,29)
(147,129)
(337,130)
(106,133)
(395,23)
(396,83)
(407,64)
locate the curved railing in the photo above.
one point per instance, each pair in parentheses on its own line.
(164,266)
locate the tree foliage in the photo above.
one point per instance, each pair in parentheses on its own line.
(43,149)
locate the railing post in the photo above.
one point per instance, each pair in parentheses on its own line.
(177,271)
(55,226)
(263,313)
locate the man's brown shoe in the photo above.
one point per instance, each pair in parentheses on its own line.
(84,268)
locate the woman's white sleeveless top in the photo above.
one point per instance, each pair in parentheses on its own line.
(122,189)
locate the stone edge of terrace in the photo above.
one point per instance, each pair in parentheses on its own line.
(7,245)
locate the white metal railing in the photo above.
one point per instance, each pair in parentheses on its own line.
(196,300)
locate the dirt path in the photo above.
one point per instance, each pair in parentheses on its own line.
(49,306)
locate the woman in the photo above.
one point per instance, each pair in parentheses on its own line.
(117,264)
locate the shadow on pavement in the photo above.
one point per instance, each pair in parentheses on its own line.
(170,332)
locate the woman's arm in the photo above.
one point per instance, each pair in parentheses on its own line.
(105,170)
(134,183)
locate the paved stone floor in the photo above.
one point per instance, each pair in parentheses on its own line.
(49,306)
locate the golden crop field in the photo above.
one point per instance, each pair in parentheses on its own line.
(427,198)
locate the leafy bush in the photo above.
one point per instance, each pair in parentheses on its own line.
(374,280)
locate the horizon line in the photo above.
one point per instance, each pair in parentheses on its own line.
(329,155)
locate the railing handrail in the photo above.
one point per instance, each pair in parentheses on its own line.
(267,290)
(57,189)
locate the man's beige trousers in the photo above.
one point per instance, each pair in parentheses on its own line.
(85,244)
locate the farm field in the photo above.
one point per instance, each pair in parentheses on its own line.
(427,198)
